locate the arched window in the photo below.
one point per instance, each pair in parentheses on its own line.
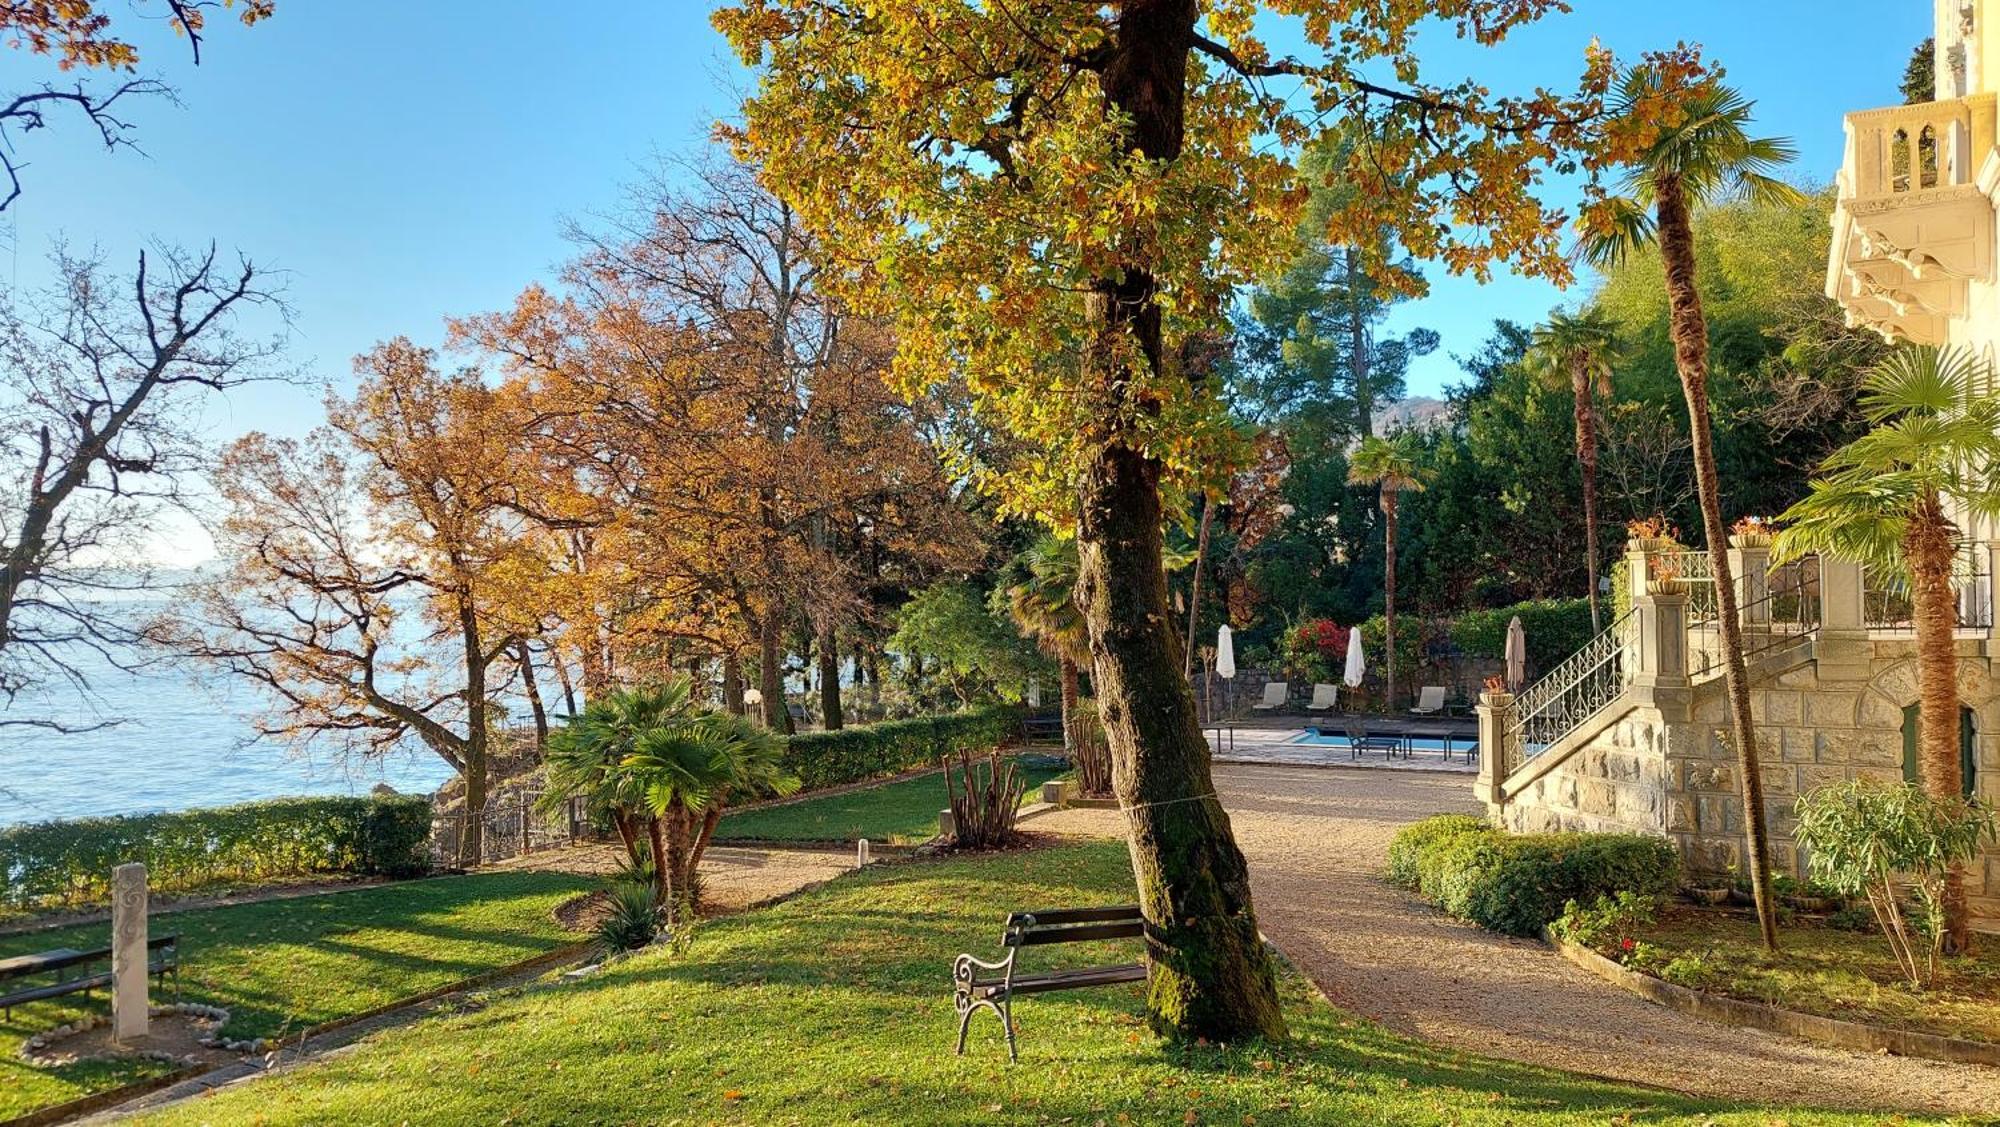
(1967,741)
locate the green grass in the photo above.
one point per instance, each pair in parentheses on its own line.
(835,1007)
(899,813)
(1823,970)
(284,965)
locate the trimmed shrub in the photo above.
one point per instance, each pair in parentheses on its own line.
(851,755)
(1556,628)
(69,863)
(1412,840)
(1518,884)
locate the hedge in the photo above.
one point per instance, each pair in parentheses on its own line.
(68,863)
(1517,884)
(851,755)
(1556,628)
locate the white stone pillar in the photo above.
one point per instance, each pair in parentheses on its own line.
(1842,646)
(1661,680)
(1495,712)
(129,1014)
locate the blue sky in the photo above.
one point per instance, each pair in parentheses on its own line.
(408,161)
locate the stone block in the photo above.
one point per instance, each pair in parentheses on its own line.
(1897,682)
(1778,778)
(1621,766)
(1830,708)
(1800,678)
(1681,815)
(1812,778)
(1713,813)
(1880,714)
(1597,797)
(1710,777)
(1890,775)
(1714,855)
(1878,750)
(1835,746)
(1565,792)
(1778,707)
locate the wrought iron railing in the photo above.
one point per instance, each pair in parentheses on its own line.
(1787,614)
(1886,607)
(1571,693)
(1696,571)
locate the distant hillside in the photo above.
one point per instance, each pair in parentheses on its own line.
(1419,411)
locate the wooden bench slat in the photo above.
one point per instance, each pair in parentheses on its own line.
(1076,933)
(1052,981)
(1074,915)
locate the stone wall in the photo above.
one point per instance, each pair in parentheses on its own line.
(1654,772)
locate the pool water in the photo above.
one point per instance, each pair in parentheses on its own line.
(1318,738)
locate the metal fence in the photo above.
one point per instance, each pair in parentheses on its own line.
(510,826)
(1886,606)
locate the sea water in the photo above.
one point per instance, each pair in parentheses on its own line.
(181,738)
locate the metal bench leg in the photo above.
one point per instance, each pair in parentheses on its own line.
(964,1023)
(1007,1016)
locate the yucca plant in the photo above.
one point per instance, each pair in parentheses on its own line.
(1091,753)
(632,918)
(983,809)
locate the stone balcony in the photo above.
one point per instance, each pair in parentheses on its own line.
(1914,223)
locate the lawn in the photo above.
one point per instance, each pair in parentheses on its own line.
(1824,970)
(285,965)
(899,813)
(835,1007)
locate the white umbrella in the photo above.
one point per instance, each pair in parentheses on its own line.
(1517,654)
(1225,654)
(1034,692)
(1356,666)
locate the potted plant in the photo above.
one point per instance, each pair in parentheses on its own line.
(1663,575)
(1652,534)
(1751,532)
(1707,888)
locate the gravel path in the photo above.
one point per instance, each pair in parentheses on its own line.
(734,878)
(1317,840)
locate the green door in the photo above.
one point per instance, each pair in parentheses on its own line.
(1967,742)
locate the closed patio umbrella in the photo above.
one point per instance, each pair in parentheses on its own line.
(1356,664)
(1517,655)
(1225,654)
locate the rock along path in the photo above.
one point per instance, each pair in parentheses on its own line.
(1317,841)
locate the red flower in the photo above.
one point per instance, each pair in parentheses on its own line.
(1626,944)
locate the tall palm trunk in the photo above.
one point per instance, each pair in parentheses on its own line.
(1928,547)
(1209,975)
(1070,692)
(1389,594)
(1689,328)
(1586,457)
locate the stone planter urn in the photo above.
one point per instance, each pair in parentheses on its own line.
(1750,540)
(1670,585)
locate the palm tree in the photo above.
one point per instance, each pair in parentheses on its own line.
(1039,589)
(1394,466)
(1887,500)
(1578,349)
(656,764)
(1701,155)
(691,768)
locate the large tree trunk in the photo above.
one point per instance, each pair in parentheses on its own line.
(663,870)
(770,673)
(732,683)
(1389,594)
(1928,546)
(1209,973)
(533,692)
(829,681)
(1689,328)
(1586,458)
(1070,678)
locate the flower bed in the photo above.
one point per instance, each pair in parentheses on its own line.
(1819,969)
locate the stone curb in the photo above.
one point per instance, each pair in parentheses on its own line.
(1854,1035)
(99,1101)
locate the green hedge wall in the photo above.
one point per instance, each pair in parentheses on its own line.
(850,755)
(69,863)
(1556,628)
(1517,884)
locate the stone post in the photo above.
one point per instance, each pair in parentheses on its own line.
(1495,712)
(129,1012)
(861,854)
(1752,568)
(1661,681)
(1842,647)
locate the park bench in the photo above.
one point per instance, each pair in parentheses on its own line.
(1038,929)
(162,959)
(1042,728)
